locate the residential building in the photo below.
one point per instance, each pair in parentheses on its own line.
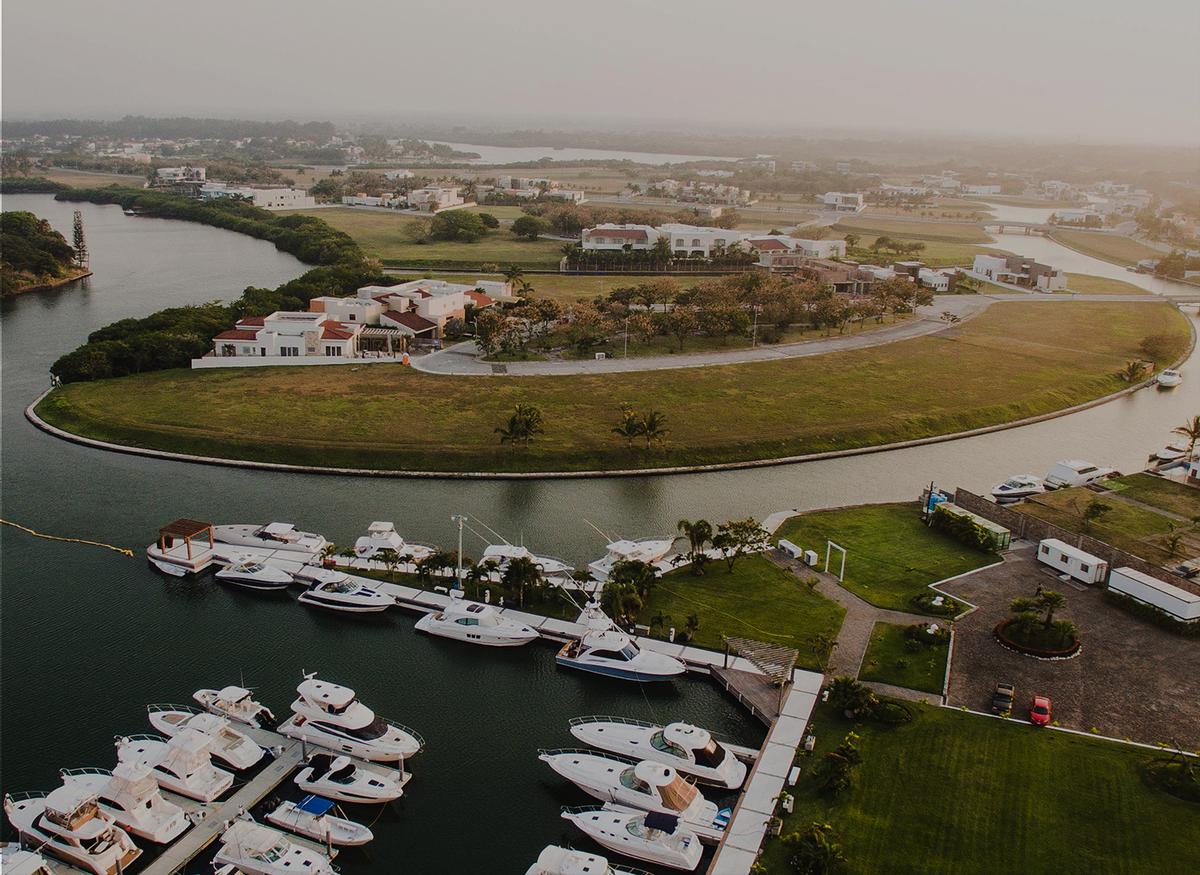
(842,167)
(174,175)
(362,199)
(760,162)
(937,280)
(845,279)
(773,248)
(1084,217)
(433,198)
(267,198)
(360,311)
(398,174)
(615,237)
(844,202)
(574,195)
(945,180)
(803,166)
(980,189)
(716,174)
(1016,270)
(288,334)
(889,190)
(434,301)
(695,240)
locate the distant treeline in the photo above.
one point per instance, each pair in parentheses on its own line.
(30,185)
(31,253)
(183,127)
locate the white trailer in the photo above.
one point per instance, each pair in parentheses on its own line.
(1072,561)
(1165,596)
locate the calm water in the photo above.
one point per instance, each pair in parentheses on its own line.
(90,636)
(513,154)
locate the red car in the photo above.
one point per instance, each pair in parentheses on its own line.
(1039,711)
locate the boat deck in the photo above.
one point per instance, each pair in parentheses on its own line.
(753,690)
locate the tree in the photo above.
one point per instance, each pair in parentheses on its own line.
(850,697)
(821,645)
(620,600)
(737,537)
(629,426)
(514,273)
(682,322)
(479,576)
(1159,347)
(691,626)
(529,227)
(523,425)
(521,572)
(489,221)
(835,769)
(457,225)
(1050,601)
(1132,372)
(390,559)
(640,575)
(852,240)
(653,427)
(816,852)
(1191,431)
(698,534)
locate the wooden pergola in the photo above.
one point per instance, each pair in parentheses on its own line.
(186,529)
(775,661)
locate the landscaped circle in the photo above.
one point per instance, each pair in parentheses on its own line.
(1038,642)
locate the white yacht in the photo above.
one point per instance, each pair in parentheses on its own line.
(476,623)
(502,554)
(15,860)
(1169,378)
(1018,486)
(181,764)
(644,786)
(1076,472)
(648,550)
(69,824)
(688,749)
(1172,452)
(310,817)
(229,745)
(383,536)
(130,796)
(252,574)
(259,850)
(335,591)
(272,536)
(605,650)
(337,777)
(331,716)
(643,835)
(554,860)
(236,703)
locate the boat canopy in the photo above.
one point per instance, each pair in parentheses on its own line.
(687,736)
(660,821)
(333,697)
(278,529)
(233,694)
(314,805)
(252,839)
(381,528)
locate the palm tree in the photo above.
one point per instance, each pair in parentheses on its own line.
(698,534)
(513,273)
(1131,372)
(1050,601)
(1191,431)
(630,425)
(640,575)
(524,424)
(390,559)
(691,626)
(480,575)
(520,573)
(654,427)
(621,602)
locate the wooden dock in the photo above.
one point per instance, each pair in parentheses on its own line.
(752,690)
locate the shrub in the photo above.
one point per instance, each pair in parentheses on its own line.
(1152,614)
(834,771)
(963,529)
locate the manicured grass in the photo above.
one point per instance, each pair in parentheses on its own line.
(888,661)
(954,793)
(1107,247)
(935,254)
(1161,493)
(988,370)
(891,555)
(945,232)
(956,211)
(758,599)
(568,287)
(1086,284)
(1126,526)
(89,178)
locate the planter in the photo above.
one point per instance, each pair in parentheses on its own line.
(1000,631)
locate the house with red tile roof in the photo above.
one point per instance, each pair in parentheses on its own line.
(289,334)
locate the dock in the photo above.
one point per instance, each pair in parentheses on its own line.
(753,691)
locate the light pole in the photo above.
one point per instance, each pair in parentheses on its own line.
(754,331)
(626,335)
(460,519)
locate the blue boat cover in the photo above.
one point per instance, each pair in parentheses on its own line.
(314,805)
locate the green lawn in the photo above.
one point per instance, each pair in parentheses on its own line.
(935,254)
(954,793)
(1127,527)
(1160,492)
(1107,247)
(890,554)
(568,287)
(1086,284)
(390,416)
(757,600)
(888,661)
(945,232)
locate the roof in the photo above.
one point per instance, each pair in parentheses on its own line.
(251,838)
(412,321)
(252,320)
(768,243)
(314,805)
(334,695)
(237,334)
(619,233)
(480,300)
(185,528)
(335,332)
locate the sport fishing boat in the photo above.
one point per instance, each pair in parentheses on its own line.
(272,536)
(252,574)
(643,835)
(236,703)
(1017,487)
(644,786)
(1076,472)
(688,749)
(383,536)
(234,748)
(129,795)
(259,850)
(555,860)
(69,824)
(310,817)
(502,554)
(1169,378)
(181,764)
(605,650)
(476,623)
(337,777)
(648,550)
(335,591)
(331,716)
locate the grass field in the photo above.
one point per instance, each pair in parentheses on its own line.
(959,211)
(888,661)
(935,254)
(566,287)
(90,179)
(942,232)
(389,416)
(1106,247)
(1086,284)
(1164,494)
(757,600)
(891,555)
(953,793)
(1136,530)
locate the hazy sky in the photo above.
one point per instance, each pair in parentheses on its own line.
(1087,69)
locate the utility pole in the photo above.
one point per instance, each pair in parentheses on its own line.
(754,333)
(460,519)
(81,250)
(626,335)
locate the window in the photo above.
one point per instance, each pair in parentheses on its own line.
(289,350)
(352,317)
(1045,550)
(333,351)
(1083,568)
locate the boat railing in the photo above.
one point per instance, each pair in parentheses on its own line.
(609,718)
(23,795)
(543,556)
(582,809)
(581,751)
(158,707)
(420,739)
(143,736)
(89,770)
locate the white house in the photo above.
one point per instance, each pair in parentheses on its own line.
(267,198)
(386,199)
(616,237)
(288,334)
(435,301)
(891,190)
(694,239)
(1019,271)
(574,195)
(1079,564)
(938,280)
(1086,217)
(770,249)
(362,311)
(980,189)
(433,198)
(399,174)
(176,175)
(1180,603)
(844,202)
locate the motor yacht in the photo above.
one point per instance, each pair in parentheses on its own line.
(605,650)
(648,550)
(272,536)
(236,703)
(688,749)
(331,716)
(502,554)
(383,536)
(180,764)
(476,623)
(129,795)
(230,746)
(335,591)
(337,777)
(252,574)
(1076,472)
(554,860)
(643,835)
(1169,378)
(310,817)
(644,786)
(15,860)
(69,824)
(1017,487)
(1172,452)
(259,850)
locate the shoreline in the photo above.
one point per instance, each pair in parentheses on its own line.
(57,283)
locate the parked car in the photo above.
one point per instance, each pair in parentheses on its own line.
(1002,699)
(1039,711)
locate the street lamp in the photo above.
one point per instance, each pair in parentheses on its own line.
(460,519)
(626,335)
(754,332)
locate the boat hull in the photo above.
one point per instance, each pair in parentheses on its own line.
(254,584)
(341,832)
(612,671)
(454,632)
(325,603)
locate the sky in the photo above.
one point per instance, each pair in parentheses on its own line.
(1077,70)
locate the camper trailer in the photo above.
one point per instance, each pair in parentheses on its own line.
(1072,561)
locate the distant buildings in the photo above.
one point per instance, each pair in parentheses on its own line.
(698,241)
(802,166)
(362,199)
(842,167)
(980,189)
(175,175)
(433,198)
(1019,271)
(1084,218)
(698,192)
(398,174)
(267,198)
(611,237)
(529,188)
(759,162)
(844,202)
(778,251)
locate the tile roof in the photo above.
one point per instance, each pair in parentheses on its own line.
(768,243)
(480,300)
(335,331)
(412,321)
(237,334)
(252,320)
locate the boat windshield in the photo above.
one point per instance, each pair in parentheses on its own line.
(630,780)
(338,586)
(659,742)
(344,775)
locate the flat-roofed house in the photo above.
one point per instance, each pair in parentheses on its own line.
(1019,271)
(289,334)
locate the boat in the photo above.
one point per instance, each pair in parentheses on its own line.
(168,567)
(337,777)
(1076,472)
(331,716)
(252,574)
(237,704)
(502,554)
(1017,487)
(1169,378)
(310,817)
(688,749)
(230,746)
(68,823)
(643,835)
(1172,452)
(129,795)
(335,591)
(648,550)
(383,536)
(180,764)
(476,623)
(555,860)
(605,650)
(272,536)
(259,850)
(643,786)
